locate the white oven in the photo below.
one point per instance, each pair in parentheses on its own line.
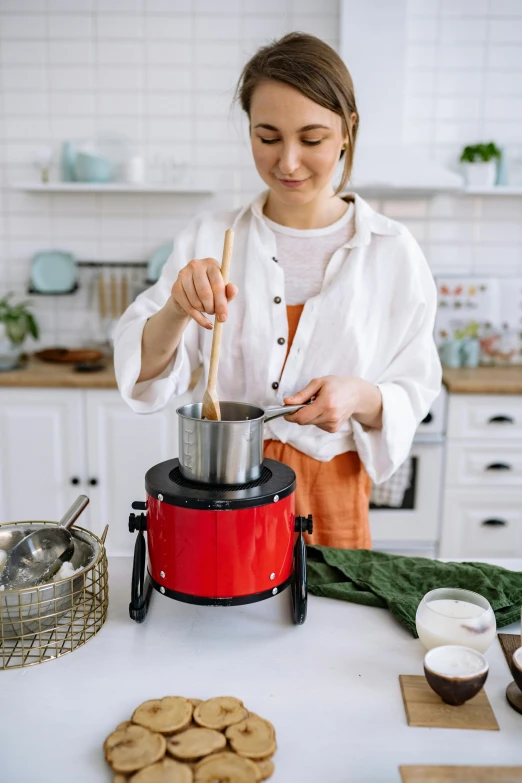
(408,521)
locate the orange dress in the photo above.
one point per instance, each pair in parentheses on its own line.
(336,493)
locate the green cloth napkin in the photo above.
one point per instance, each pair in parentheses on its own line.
(399,583)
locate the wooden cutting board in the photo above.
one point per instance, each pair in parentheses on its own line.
(429,774)
(424,708)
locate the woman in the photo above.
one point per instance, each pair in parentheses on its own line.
(332,300)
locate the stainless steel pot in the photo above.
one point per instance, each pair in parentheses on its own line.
(229,451)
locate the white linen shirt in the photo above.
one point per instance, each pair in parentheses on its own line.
(372,319)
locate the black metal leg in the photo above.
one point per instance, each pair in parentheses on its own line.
(141,588)
(299,589)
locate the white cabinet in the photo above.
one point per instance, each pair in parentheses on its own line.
(42,451)
(58,443)
(482,514)
(121,447)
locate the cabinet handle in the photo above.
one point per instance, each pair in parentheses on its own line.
(494,523)
(93,482)
(501,420)
(75,480)
(498,466)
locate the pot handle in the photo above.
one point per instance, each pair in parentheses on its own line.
(283,410)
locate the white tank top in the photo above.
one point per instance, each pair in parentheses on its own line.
(304,254)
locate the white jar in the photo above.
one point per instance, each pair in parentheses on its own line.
(135,169)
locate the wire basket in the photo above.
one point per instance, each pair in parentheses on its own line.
(38,624)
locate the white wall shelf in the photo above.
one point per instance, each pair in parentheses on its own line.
(111,187)
(496,190)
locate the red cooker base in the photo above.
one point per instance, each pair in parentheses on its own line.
(237,601)
(220,545)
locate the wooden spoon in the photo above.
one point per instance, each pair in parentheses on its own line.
(211,408)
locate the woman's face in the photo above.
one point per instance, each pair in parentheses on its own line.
(295,142)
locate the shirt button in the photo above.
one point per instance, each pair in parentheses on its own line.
(281,341)
(277,300)
(275,385)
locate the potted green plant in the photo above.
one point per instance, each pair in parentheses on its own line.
(480,164)
(16,324)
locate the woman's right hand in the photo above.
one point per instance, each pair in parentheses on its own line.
(200,289)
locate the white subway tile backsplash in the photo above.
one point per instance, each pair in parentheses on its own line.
(218,54)
(29,128)
(71,78)
(120,104)
(163,72)
(171,53)
(265,27)
(22,26)
(120,26)
(22,103)
(169,6)
(450,258)
(226,7)
(223,80)
(464,7)
(20,6)
(217,28)
(20,78)
(160,79)
(70,26)
(458,82)
(169,129)
(506,108)
(70,53)
(119,6)
(459,108)
(507,8)
(77,103)
(461,56)
(24,52)
(128,78)
(323,26)
(173,28)
(450,231)
(507,56)
(179,104)
(71,6)
(505,31)
(120,52)
(463,31)
(68,127)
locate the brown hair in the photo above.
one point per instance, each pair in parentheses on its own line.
(316,70)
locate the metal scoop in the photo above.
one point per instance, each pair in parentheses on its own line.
(40,555)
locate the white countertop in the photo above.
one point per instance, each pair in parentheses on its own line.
(330,687)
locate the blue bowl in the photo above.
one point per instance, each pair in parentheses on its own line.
(91,168)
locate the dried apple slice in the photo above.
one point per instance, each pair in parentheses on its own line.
(167,715)
(195,743)
(226,767)
(165,771)
(266,768)
(220,712)
(253,738)
(132,748)
(196,702)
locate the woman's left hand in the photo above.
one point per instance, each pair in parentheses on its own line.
(336,400)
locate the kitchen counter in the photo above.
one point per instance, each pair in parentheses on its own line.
(48,375)
(330,687)
(483,380)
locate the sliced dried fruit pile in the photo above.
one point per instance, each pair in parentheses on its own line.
(177,740)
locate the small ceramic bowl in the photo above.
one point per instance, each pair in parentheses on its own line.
(456,673)
(516,667)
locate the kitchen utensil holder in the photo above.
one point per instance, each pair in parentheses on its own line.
(64,631)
